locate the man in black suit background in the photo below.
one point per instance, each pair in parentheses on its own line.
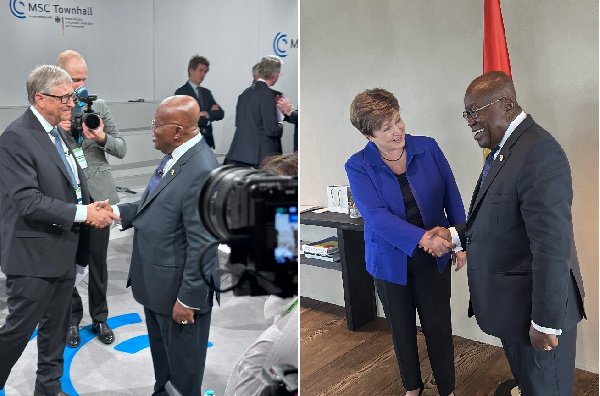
(524,278)
(209,109)
(258,122)
(45,201)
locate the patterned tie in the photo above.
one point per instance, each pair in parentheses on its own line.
(488,163)
(61,152)
(157,176)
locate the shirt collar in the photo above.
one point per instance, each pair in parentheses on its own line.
(180,150)
(45,124)
(194,86)
(511,128)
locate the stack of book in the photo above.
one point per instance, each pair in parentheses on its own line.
(327,249)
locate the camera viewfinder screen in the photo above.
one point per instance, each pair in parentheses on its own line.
(286,225)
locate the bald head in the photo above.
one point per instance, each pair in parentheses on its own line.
(175,122)
(74,64)
(495,83)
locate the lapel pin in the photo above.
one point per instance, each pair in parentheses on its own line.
(501,157)
(173,171)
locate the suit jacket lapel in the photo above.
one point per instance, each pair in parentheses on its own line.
(497,165)
(169,176)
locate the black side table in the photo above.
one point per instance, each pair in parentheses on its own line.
(359,288)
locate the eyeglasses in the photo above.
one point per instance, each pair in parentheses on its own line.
(154,125)
(64,99)
(473,113)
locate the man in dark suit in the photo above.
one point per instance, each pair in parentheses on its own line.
(209,109)
(258,123)
(166,275)
(95,145)
(45,201)
(524,277)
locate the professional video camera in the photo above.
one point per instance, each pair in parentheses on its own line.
(256,214)
(88,117)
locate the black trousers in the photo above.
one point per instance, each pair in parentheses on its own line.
(41,302)
(178,351)
(543,373)
(98,279)
(428,292)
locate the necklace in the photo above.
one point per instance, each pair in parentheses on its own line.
(391,160)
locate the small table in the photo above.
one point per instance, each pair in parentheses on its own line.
(359,288)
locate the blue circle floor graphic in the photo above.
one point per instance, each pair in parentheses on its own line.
(131,346)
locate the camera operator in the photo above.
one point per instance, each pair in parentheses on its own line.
(278,344)
(93,144)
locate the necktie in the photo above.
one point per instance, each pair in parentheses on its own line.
(157,176)
(488,163)
(61,152)
(200,99)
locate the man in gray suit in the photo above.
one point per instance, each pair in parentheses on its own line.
(44,203)
(95,145)
(166,275)
(524,278)
(258,126)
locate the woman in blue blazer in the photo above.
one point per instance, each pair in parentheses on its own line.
(403,186)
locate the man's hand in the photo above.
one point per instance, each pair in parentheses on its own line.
(100,214)
(460,259)
(435,245)
(181,314)
(441,232)
(66,125)
(284,105)
(215,107)
(95,134)
(204,114)
(542,341)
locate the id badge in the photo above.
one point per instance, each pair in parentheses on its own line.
(78,192)
(78,153)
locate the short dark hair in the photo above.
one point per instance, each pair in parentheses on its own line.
(371,108)
(198,60)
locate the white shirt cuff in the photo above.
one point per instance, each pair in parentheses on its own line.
(455,240)
(186,305)
(546,330)
(81,214)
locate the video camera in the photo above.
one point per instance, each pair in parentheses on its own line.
(256,214)
(88,117)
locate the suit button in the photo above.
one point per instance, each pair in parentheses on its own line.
(468,240)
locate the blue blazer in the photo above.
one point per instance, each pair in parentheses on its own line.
(389,238)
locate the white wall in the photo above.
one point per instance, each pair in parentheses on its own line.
(427,53)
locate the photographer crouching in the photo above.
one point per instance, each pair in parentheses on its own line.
(92,134)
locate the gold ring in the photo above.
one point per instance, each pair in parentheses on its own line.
(184,322)
(547,348)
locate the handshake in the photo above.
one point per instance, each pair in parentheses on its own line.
(438,242)
(100,214)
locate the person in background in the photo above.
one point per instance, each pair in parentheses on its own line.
(278,344)
(43,207)
(524,278)
(258,128)
(210,111)
(403,186)
(290,115)
(172,274)
(95,145)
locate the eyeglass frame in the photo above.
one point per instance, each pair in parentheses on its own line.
(473,113)
(64,99)
(154,125)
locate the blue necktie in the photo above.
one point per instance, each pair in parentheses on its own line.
(61,152)
(157,176)
(488,164)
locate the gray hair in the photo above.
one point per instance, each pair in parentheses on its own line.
(44,78)
(268,66)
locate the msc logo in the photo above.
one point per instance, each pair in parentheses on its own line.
(281,42)
(14,10)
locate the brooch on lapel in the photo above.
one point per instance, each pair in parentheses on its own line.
(173,171)
(501,158)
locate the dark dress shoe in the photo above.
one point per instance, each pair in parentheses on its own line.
(105,334)
(73,339)
(38,393)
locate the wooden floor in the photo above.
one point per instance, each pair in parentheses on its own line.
(336,361)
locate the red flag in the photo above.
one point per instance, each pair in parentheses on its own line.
(495,51)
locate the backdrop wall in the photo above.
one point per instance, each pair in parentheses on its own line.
(427,53)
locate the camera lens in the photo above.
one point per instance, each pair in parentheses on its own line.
(91,120)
